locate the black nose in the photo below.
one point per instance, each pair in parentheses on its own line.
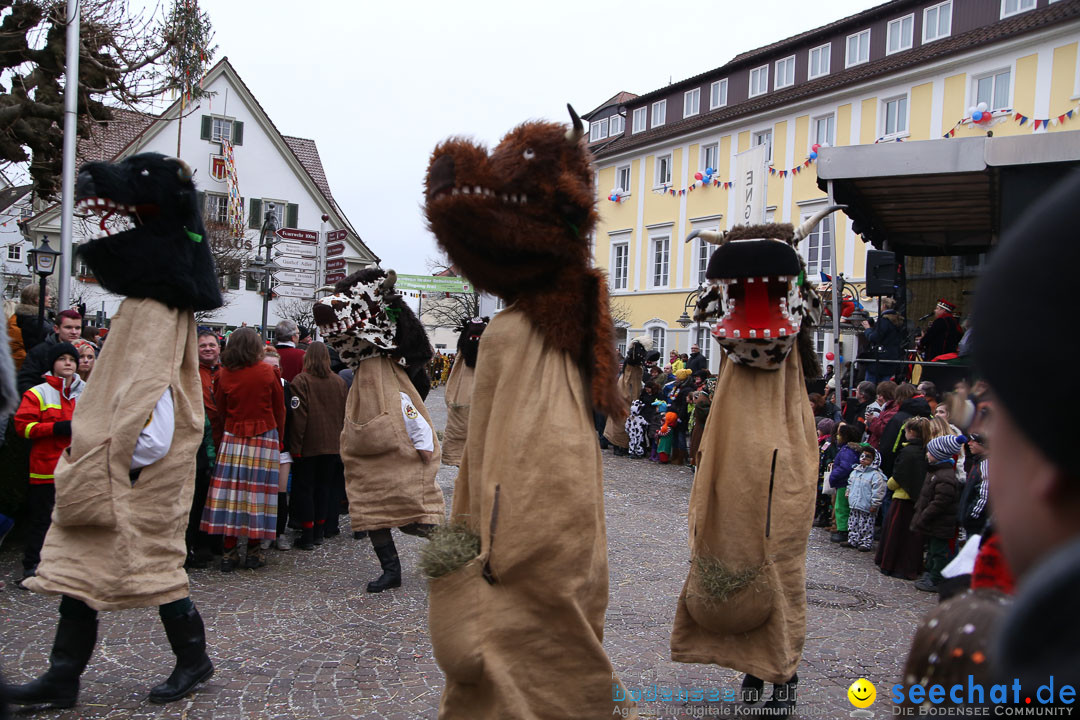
(441,175)
(84,185)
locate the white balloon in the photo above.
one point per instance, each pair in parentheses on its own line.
(981,106)
(971,110)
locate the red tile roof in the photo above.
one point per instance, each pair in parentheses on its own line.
(109,138)
(1054,14)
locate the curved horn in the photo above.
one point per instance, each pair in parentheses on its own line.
(390,280)
(184,172)
(325,288)
(710,236)
(575,133)
(811,222)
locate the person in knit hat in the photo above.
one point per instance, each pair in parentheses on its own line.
(1034,482)
(44,418)
(935,512)
(943,335)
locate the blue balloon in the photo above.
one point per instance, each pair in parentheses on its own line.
(709,171)
(841,359)
(813,155)
(977,116)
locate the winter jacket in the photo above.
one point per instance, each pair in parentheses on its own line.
(24,332)
(697,362)
(880,422)
(249,401)
(910,469)
(292,361)
(942,337)
(892,439)
(44,417)
(318,415)
(845,460)
(935,512)
(972,512)
(886,341)
(866,487)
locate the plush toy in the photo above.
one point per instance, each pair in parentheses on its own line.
(459,387)
(743,605)
(388,446)
(629,389)
(517,627)
(124,487)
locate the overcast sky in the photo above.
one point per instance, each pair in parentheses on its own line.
(378,84)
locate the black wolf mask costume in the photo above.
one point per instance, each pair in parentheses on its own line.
(388,483)
(743,605)
(459,387)
(117,536)
(518,630)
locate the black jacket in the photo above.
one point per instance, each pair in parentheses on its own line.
(886,343)
(910,469)
(916,406)
(35,365)
(697,361)
(943,336)
(973,510)
(935,512)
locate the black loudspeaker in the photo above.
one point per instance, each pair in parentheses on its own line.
(880,272)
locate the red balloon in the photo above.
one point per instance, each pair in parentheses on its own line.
(697,176)
(815,147)
(829,356)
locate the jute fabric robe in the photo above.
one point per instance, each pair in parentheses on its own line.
(459,390)
(629,390)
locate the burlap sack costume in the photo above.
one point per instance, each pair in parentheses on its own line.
(518,630)
(459,390)
(387,483)
(114,544)
(629,389)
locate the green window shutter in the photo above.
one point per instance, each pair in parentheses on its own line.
(292,212)
(207,126)
(237,133)
(255,218)
(200,200)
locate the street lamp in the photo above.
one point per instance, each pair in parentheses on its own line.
(42,260)
(685,320)
(261,270)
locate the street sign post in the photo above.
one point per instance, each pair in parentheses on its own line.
(335,249)
(308,236)
(295,291)
(334,277)
(295,277)
(296,263)
(296,249)
(335,264)
(335,235)
(434,283)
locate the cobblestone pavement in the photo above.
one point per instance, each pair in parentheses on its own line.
(301,638)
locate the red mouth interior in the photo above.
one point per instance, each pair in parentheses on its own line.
(756,308)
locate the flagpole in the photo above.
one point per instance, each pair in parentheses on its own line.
(67,191)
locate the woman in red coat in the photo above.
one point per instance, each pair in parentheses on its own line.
(242,501)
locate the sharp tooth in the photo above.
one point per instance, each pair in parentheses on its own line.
(735,333)
(722,332)
(504,197)
(522,198)
(454,191)
(767,333)
(783,332)
(764,279)
(478,190)
(750,279)
(753,333)
(465,191)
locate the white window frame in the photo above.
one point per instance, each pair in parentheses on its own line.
(756,73)
(925,24)
(702,338)
(598,130)
(898,24)
(718,94)
(691,102)
(659,113)
(701,259)
(640,114)
(215,128)
(817,236)
(777,79)
(212,216)
(617,245)
(614,120)
(14,252)
(704,157)
(279,210)
(814,139)
(824,51)
(754,142)
(659,261)
(659,181)
(629,179)
(1019,7)
(885,117)
(993,75)
(659,343)
(847,48)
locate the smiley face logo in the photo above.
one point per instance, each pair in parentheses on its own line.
(862,693)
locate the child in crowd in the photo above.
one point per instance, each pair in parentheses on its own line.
(666,442)
(900,552)
(847,457)
(637,428)
(935,513)
(826,454)
(866,490)
(44,418)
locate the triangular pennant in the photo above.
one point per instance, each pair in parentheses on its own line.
(1061,119)
(1017,116)
(1023,119)
(806,164)
(1037,124)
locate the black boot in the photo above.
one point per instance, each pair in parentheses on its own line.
(750,692)
(59,686)
(317,534)
(359,534)
(782,702)
(307,539)
(187,637)
(418,529)
(391,567)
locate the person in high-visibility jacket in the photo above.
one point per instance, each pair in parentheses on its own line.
(44,418)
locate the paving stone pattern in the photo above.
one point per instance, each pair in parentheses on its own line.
(301,639)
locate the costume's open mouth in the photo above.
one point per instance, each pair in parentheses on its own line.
(115,217)
(755,308)
(333,315)
(443,183)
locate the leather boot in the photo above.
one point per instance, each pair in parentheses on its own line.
(391,567)
(187,637)
(307,539)
(782,702)
(750,692)
(71,650)
(230,559)
(423,530)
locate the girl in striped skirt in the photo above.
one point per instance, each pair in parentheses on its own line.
(242,501)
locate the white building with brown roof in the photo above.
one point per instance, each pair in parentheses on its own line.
(273,170)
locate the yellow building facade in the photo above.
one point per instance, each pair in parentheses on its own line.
(1028,76)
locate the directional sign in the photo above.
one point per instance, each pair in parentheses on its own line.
(295,263)
(334,277)
(295,291)
(434,283)
(335,249)
(335,264)
(296,249)
(334,235)
(309,236)
(295,277)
